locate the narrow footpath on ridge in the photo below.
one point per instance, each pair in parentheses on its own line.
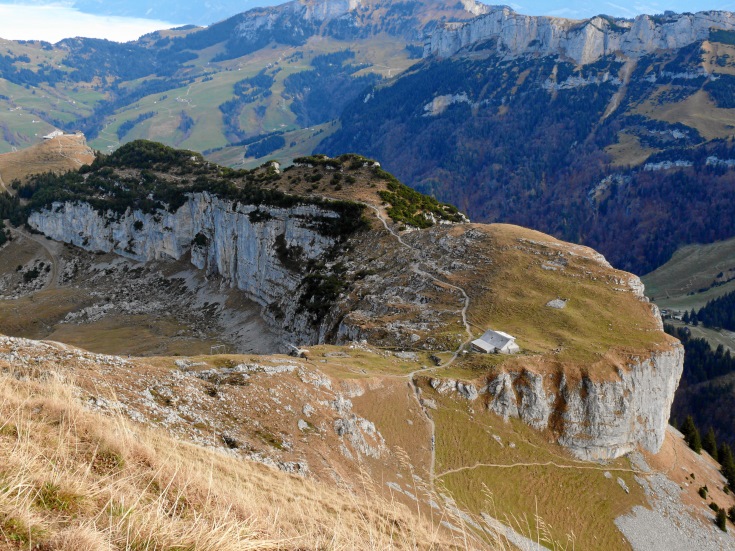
(62,154)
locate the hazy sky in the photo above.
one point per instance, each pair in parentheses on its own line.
(54,22)
(619,8)
(46,20)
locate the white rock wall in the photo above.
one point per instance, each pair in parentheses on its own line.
(238,249)
(596,420)
(582,41)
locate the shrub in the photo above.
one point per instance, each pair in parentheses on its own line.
(411,207)
(30,275)
(200,240)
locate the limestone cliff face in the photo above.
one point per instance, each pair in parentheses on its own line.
(595,419)
(238,242)
(295,21)
(512,34)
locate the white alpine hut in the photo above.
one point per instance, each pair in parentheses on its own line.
(495,342)
(54,134)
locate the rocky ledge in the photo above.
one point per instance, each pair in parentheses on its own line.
(601,383)
(594,419)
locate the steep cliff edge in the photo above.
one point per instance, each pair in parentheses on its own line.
(239,243)
(594,419)
(296,21)
(596,372)
(511,34)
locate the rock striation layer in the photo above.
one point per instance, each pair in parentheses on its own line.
(511,34)
(238,242)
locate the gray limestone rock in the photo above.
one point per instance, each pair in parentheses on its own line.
(583,42)
(595,419)
(623,485)
(240,250)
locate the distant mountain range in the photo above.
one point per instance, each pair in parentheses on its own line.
(592,130)
(234,83)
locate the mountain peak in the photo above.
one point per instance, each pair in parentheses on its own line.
(295,22)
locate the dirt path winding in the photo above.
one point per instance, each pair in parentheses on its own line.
(543,464)
(463,312)
(72,159)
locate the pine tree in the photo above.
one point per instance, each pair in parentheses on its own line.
(691,434)
(688,427)
(710,443)
(696,441)
(725,454)
(721,520)
(728,464)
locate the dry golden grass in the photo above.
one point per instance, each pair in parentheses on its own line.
(718,57)
(74,479)
(139,335)
(676,284)
(602,324)
(402,424)
(628,151)
(31,316)
(697,111)
(58,155)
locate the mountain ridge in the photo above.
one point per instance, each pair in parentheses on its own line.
(582,41)
(308,262)
(294,22)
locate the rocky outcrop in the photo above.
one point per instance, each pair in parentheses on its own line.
(511,34)
(243,244)
(595,419)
